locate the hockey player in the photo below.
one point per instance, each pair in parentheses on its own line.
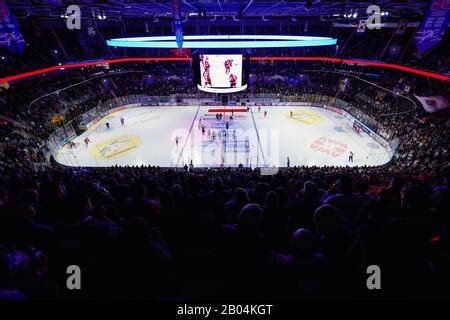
(122,121)
(350,156)
(206,65)
(207,78)
(233,80)
(86,141)
(228,64)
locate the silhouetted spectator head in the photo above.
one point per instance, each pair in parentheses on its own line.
(4,266)
(272,201)
(260,188)
(309,190)
(441,200)
(240,196)
(416,197)
(3,196)
(345,184)
(177,190)
(139,192)
(251,216)
(282,194)
(302,242)
(217,183)
(18,215)
(327,219)
(51,191)
(362,185)
(136,230)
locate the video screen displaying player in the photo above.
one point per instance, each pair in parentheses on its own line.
(207,78)
(204,62)
(228,64)
(221,70)
(233,80)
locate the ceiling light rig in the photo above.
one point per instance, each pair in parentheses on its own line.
(223,42)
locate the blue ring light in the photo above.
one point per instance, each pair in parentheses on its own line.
(223,42)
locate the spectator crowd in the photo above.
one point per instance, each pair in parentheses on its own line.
(149,232)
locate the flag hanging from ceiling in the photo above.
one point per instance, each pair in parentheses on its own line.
(433,26)
(401,26)
(10,36)
(361,27)
(433,103)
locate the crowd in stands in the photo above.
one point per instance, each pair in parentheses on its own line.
(36,102)
(304,232)
(226,233)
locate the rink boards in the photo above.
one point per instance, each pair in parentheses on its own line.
(307,135)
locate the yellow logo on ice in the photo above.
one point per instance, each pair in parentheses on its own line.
(115,147)
(305,116)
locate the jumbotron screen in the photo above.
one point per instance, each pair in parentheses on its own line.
(220,73)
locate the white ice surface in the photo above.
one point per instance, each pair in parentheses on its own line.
(270,139)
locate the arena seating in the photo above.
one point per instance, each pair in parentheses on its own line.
(191,233)
(312,229)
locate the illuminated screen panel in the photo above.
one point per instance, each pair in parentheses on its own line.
(220,73)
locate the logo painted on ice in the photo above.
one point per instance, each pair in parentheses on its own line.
(331,147)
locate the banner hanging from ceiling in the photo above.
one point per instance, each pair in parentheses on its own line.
(433,26)
(10,36)
(434,103)
(361,27)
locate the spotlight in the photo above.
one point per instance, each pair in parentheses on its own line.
(101,15)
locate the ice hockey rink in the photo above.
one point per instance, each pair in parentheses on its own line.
(306,135)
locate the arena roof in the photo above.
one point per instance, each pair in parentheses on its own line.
(124,9)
